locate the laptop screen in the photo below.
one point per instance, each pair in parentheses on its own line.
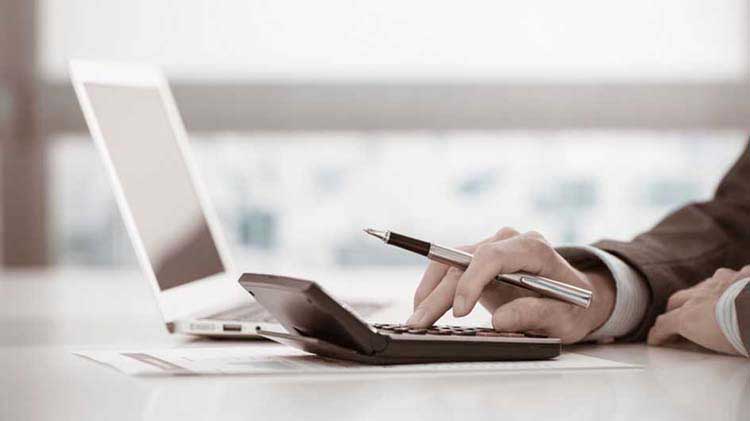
(156,183)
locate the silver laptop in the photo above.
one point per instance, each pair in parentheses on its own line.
(137,128)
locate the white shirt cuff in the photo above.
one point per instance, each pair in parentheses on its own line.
(632,296)
(726,315)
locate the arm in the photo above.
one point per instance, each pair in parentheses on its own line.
(687,246)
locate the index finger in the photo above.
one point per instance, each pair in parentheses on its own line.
(679,298)
(435,271)
(666,327)
(432,276)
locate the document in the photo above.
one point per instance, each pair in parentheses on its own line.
(271,359)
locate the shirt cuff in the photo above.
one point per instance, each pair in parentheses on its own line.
(632,296)
(726,315)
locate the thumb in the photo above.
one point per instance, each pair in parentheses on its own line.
(521,314)
(543,315)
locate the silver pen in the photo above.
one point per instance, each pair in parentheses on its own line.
(460,259)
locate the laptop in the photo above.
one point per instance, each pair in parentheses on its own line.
(137,129)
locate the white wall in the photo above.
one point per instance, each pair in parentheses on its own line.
(538,40)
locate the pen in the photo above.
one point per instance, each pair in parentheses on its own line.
(460,259)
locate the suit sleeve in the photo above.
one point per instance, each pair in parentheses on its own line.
(691,243)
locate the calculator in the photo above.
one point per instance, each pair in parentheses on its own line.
(318,323)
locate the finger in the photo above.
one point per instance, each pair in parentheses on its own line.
(679,298)
(436,271)
(504,233)
(527,313)
(434,274)
(437,303)
(520,253)
(496,294)
(667,327)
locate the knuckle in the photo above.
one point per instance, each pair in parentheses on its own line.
(723,273)
(506,232)
(538,246)
(535,234)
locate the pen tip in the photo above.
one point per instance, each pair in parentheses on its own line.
(383,235)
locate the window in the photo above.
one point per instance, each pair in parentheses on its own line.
(307,117)
(291,201)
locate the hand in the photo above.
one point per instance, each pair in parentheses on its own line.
(514,309)
(691,313)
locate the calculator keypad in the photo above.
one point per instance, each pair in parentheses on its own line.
(389,328)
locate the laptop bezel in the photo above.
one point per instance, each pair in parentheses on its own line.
(198,298)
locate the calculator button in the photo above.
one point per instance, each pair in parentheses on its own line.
(449,330)
(501,334)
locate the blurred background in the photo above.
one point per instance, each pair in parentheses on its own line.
(581,119)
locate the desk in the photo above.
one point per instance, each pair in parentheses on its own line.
(42,317)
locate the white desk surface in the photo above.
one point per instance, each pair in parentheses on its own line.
(42,317)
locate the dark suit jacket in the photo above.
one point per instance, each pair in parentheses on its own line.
(691,243)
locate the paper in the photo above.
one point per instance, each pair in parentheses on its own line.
(279,360)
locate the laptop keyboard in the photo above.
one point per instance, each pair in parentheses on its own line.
(254,312)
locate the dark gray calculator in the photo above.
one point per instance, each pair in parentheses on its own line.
(316,322)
